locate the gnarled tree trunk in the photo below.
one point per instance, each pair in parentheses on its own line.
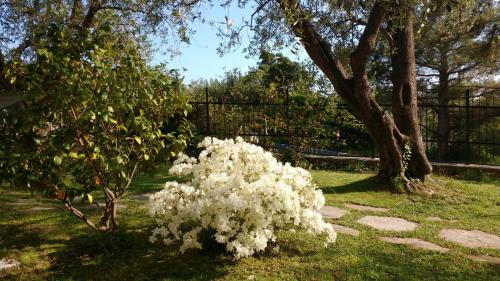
(389,134)
(404,98)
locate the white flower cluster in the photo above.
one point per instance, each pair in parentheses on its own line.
(241,193)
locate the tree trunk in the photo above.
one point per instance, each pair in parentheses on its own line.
(404,98)
(386,136)
(355,90)
(108,219)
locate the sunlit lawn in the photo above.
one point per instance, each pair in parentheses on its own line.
(53,245)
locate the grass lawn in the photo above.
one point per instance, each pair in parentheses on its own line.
(53,245)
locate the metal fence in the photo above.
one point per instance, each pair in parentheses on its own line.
(328,128)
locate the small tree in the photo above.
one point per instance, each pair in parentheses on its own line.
(90,124)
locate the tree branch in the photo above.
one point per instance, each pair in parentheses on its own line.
(428,75)
(368,40)
(77,213)
(317,48)
(94,7)
(464,69)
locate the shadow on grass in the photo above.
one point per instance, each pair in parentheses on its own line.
(20,235)
(82,254)
(130,256)
(153,180)
(371,184)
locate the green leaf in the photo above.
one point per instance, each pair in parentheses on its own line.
(146,157)
(138,139)
(57,160)
(68,180)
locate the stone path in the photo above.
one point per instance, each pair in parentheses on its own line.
(388,223)
(331,212)
(5,264)
(22,202)
(365,208)
(416,243)
(345,230)
(36,209)
(141,197)
(471,238)
(93,206)
(484,258)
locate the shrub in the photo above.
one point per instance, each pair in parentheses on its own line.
(91,124)
(241,194)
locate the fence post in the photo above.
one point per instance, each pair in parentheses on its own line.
(467,126)
(339,133)
(287,108)
(207,108)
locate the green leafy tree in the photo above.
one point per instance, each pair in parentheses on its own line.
(455,46)
(94,115)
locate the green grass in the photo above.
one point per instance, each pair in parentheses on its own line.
(53,245)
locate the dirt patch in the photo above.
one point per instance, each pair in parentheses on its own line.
(345,230)
(331,212)
(471,238)
(388,223)
(416,243)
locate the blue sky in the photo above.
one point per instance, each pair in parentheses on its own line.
(200,58)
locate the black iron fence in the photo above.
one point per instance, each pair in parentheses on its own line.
(326,127)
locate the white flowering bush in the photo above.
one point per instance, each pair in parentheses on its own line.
(241,194)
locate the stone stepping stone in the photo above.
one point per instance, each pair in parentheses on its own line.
(331,212)
(345,230)
(365,208)
(6,264)
(388,223)
(484,258)
(415,243)
(141,197)
(471,238)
